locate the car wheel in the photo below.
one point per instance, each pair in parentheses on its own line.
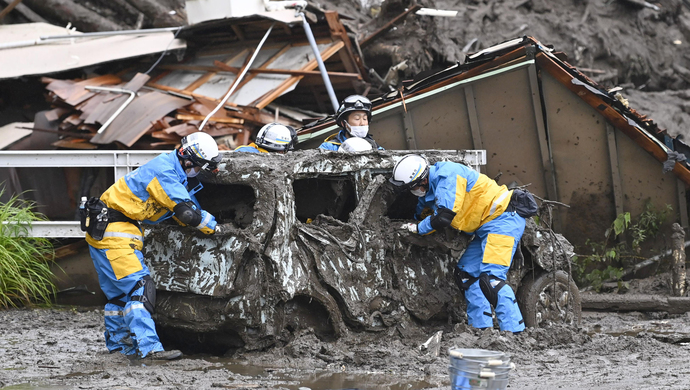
(544,302)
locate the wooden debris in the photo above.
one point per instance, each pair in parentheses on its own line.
(189,117)
(635,302)
(68,11)
(678,266)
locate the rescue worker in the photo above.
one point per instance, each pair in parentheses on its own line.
(469,201)
(272,137)
(150,194)
(353,117)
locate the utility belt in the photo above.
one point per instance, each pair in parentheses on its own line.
(95,216)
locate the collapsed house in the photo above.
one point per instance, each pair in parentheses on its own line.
(543,124)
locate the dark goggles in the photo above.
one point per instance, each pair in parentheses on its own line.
(206,165)
(359,103)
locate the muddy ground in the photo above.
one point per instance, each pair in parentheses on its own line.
(62,348)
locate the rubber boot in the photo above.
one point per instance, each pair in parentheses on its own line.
(164,355)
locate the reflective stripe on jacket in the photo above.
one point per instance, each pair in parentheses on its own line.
(474,197)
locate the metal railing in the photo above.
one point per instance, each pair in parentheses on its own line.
(122,162)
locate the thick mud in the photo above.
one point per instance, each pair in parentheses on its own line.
(62,348)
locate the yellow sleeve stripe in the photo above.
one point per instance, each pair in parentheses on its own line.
(460,192)
(156,190)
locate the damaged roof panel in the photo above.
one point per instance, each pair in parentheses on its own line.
(136,119)
(61,55)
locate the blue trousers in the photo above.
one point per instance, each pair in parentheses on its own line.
(129,329)
(491,252)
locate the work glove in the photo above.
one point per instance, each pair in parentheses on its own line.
(410,227)
(208,223)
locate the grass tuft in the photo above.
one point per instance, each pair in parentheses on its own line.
(25,274)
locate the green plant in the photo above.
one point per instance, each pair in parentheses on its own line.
(604,260)
(25,274)
(648,224)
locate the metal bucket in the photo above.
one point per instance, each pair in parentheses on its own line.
(478,369)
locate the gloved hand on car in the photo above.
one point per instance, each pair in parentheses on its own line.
(410,227)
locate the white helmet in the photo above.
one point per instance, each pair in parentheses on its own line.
(410,171)
(355,144)
(201,149)
(275,137)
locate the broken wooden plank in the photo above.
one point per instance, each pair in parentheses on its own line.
(678,280)
(635,302)
(56,113)
(272,95)
(249,77)
(74,143)
(190,117)
(27,13)
(68,89)
(9,8)
(59,132)
(355,76)
(64,11)
(338,32)
(389,25)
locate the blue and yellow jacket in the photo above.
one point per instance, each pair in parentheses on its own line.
(474,197)
(251,148)
(333,141)
(147,194)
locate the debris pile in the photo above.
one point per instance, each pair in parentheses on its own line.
(103,109)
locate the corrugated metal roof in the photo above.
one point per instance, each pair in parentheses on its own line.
(57,56)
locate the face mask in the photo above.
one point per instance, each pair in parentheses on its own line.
(418,192)
(191,172)
(359,131)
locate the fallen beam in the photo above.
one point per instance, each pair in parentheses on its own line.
(389,25)
(9,8)
(635,302)
(193,117)
(223,66)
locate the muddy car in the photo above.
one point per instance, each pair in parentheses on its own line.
(311,239)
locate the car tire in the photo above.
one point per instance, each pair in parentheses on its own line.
(539,308)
